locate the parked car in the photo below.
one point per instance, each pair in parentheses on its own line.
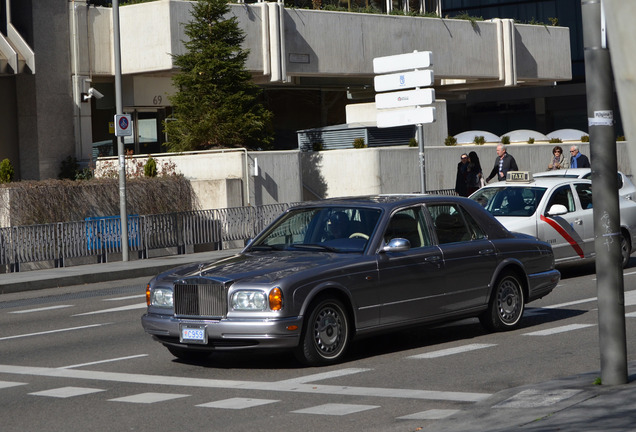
(626,187)
(329,270)
(557,210)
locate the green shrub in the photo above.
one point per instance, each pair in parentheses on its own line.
(316,146)
(150,168)
(505,139)
(479,140)
(620,138)
(555,140)
(531,140)
(6,171)
(68,168)
(585,138)
(413,142)
(450,141)
(359,143)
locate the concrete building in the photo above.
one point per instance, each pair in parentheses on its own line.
(312,64)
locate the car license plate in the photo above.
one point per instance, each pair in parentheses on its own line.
(193,334)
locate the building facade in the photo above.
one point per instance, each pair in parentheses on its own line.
(57,71)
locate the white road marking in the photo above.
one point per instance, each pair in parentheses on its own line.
(631,315)
(432,414)
(238,403)
(335,409)
(561,329)
(117,309)
(41,309)
(66,392)
(52,331)
(533,398)
(452,351)
(281,386)
(103,361)
(7,384)
(572,303)
(148,398)
(325,375)
(126,298)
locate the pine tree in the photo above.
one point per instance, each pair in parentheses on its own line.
(217,104)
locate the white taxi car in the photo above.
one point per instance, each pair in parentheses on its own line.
(556,210)
(626,187)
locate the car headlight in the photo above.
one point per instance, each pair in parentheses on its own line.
(249,301)
(161,297)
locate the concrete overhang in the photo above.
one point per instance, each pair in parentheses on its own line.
(309,48)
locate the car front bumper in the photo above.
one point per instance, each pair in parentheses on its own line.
(227,334)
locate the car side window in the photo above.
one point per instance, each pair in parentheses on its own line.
(449,222)
(584,191)
(562,195)
(409,224)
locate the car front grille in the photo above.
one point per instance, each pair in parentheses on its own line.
(200,300)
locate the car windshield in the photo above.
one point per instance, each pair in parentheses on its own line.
(510,201)
(333,229)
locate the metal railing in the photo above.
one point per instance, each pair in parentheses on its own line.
(62,243)
(100,238)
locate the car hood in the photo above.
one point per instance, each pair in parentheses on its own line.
(259,267)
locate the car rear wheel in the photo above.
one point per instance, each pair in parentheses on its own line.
(506,305)
(326,333)
(626,249)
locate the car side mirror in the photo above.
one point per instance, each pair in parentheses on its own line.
(557,210)
(397,245)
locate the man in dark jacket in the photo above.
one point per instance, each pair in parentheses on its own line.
(578,159)
(503,163)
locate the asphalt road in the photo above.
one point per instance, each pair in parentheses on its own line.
(77,359)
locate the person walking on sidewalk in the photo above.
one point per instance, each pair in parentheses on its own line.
(503,163)
(578,159)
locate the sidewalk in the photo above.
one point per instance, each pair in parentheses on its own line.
(93,273)
(571,404)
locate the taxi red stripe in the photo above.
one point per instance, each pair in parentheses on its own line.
(554,224)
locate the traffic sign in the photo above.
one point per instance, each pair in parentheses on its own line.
(123,125)
(405,116)
(394,63)
(405,98)
(403,80)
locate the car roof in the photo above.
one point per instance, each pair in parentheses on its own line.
(560,173)
(546,182)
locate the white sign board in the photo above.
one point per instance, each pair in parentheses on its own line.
(403,80)
(406,98)
(123,125)
(394,63)
(406,116)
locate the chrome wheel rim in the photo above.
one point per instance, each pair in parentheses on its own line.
(329,331)
(509,301)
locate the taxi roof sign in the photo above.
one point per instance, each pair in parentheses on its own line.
(519,177)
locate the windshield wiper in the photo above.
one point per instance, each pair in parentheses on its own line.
(265,247)
(312,246)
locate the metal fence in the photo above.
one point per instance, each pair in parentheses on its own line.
(100,238)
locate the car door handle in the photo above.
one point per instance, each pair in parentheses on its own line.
(578,221)
(433,258)
(486,251)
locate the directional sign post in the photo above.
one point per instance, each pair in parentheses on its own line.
(410,104)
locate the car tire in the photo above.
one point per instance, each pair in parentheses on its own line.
(326,333)
(506,305)
(626,248)
(188,355)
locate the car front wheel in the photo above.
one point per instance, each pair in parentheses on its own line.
(506,305)
(626,248)
(326,333)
